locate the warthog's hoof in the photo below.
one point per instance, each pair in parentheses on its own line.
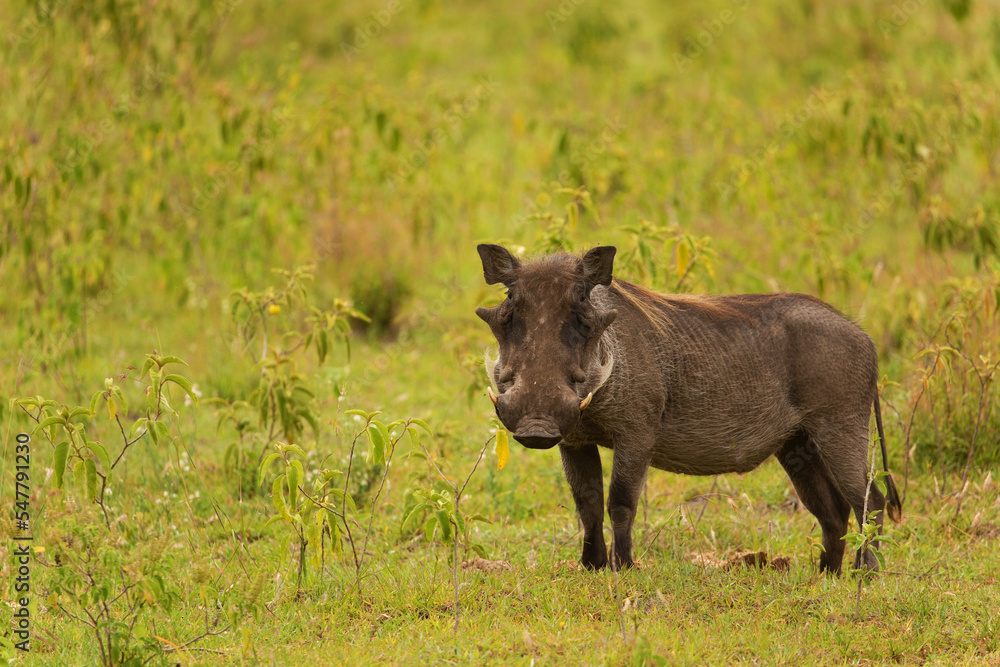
(597,560)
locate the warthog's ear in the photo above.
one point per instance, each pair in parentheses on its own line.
(498,263)
(597,266)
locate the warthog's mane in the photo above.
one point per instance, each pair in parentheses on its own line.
(657,307)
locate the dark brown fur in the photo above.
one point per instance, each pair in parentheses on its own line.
(700,385)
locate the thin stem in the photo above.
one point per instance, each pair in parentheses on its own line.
(128,443)
(984,381)
(864,520)
(615,592)
(371,517)
(458,499)
(347,480)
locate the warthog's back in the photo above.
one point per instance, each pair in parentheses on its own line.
(740,374)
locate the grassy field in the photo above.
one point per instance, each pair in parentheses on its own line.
(203,204)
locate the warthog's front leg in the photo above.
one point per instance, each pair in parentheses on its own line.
(583,472)
(628,475)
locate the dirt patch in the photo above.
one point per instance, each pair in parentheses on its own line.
(568,565)
(484,565)
(987,531)
(742,559)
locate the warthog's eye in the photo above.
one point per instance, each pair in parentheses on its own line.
(505,311)
(579,327)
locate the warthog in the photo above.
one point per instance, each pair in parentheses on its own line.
(700,385)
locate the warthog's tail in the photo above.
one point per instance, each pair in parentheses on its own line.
(893,505)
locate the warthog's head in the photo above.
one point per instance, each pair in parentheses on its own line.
(552,358)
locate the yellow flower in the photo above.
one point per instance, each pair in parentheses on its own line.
(274,309)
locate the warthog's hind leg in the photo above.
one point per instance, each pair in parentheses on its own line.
(846,453)
(818,492)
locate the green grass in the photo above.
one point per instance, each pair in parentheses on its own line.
(157,157)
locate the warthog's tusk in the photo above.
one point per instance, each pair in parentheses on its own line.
(493,397)
(585,402)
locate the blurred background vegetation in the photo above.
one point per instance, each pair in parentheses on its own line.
(160,160)
(159,155)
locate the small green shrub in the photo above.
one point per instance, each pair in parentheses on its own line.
(381,294)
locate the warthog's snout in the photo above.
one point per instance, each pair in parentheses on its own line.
(538,419)
(537,433)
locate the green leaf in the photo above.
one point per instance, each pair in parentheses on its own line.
(336,544)
(76,412)
(161,429)
(314,532)
(322,345)
(139,423)
(384,431)
(313,421)
(228,459)
(278,496)
(172,360)
(346,500)
(45,423)
(59,462)
(184,384)
(360,413)
(444,520)
(93,402)
(27,402)
(422,424)
(102,456)
(121,399)
(429,527)
(298,450)
(156,378)
(295,476)
(377,442)
(264,465)
(417,511)
(414,436)
(79,476)
(90,469)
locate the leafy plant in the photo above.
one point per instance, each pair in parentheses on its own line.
(89,460)
(93,582)
(666,257)
(382,293)
(446,513)
(299,508)
(556,235)
(283,398)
